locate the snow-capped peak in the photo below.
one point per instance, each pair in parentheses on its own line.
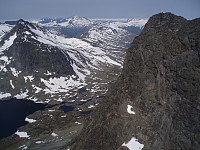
(68,22)
(4,28)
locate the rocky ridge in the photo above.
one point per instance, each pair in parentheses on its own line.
(156,99)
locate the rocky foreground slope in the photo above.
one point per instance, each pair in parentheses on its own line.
(157,97)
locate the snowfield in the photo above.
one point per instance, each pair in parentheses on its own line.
(8,43)
(76,48)
(133,144)
(62,84)
(22,134)
(4,95)
(4,28)
(30,120)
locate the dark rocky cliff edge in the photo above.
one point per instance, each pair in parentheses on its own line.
(161,80)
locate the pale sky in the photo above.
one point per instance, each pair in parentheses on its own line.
(37,9)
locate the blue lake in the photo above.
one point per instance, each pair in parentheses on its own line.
(13,113)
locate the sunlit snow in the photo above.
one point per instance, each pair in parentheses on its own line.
(22,134)
(129,107)
(31,78)
(53,134)
(133,144)
(39,142)
(75,48)
(38,89)
(8,43)
(23,147)
(62,84)
(12,84)
(30,120)
(51,110)
(78,122)
(15,72)
(4,95)
(22,95)
(91,106)
(4,28)
(4,60)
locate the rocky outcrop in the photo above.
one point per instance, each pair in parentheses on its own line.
(161,81)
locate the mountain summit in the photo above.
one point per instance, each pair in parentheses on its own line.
(157,97)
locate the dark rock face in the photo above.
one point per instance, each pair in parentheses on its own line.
(31,58)
(161,80)
(30,55)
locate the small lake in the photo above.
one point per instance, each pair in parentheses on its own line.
(86,112)
(65,108)
(13,113)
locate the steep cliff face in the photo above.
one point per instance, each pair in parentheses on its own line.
(25,61)
(31,55)
(160,82)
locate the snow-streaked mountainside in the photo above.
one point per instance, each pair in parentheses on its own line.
(28,40)
(70,27)
(114,37)
(4,28)
(38,62)
(68,64)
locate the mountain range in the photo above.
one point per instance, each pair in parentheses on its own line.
(38,63)
(67,64)
(111,85)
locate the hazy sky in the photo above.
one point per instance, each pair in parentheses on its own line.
(36,9)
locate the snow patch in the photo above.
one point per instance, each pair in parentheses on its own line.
(38,89)
(129,107)
(48,73)
(91,106)
(59,99)
(51,110)
(4,60)
(4,95)
(53,134)
(27,33)
(8,43)
(77,122)
(30,120)
(22,134)
(33,99)
(133,144)
(12,84)
(4,28)
(62,84)
(15,72)
(22,95)
(39,142)
(23,147)
(31,78)
(80,75)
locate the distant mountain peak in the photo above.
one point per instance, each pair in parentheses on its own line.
(20,21)
(165,18)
